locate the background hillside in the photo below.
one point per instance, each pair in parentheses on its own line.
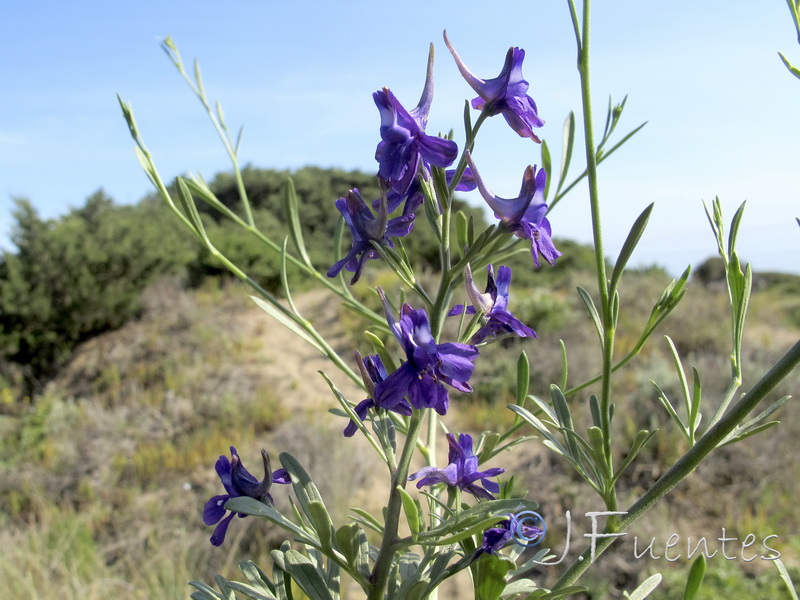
(129,362)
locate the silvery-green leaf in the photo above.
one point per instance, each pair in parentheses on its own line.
(290,204)
(309,497)
(567,143)
(257,578)
(523,377)
(645,589)
(412,511)
(249,591)
(547,166)
(306,575)
(205,592)
(589,304)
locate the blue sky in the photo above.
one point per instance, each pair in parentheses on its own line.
(722,109)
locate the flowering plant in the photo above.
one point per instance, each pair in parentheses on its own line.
(426,537)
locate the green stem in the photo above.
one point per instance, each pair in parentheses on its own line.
(602,281)
(383,563)
(681,469)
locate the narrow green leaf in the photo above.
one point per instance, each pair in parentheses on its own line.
(362,558)
(564,365)
(695,579)
(250,591)
(366,519)
(285,278)
(467,117)
(645,589)
(764,414)
(380,350)
(206,592)
(748,433)
(547,166)
(306,575)
(589,304)
(598,452)
(309,497)
(563,593)
(199,80)
(639,442)
(594,408)
(787,581)
(290,205)
(471,231)
(634,235)
(190,209)
(735,223)
(283,583)
(567,142)
(347,541)
(564,418)
(411,510)
(694,412)
(257,578)
(322,523)
(461,230)
(523,377)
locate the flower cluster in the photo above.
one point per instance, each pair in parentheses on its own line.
(411,170)
(237,482)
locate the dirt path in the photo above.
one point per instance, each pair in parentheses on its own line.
(292,365)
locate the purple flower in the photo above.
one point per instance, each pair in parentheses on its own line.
(238,482)
(524,216)
(429,365)
(405,145)
(506,93)
(367,227)
(372,372)
(492,304)
(462,472)
(500,535)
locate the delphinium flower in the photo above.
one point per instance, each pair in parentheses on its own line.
(237,482)
(405,146)
(367,227)
(492,304)
(499,536)
(428,366)
(506,94)
(372,373)
(524,216)
(462,470)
